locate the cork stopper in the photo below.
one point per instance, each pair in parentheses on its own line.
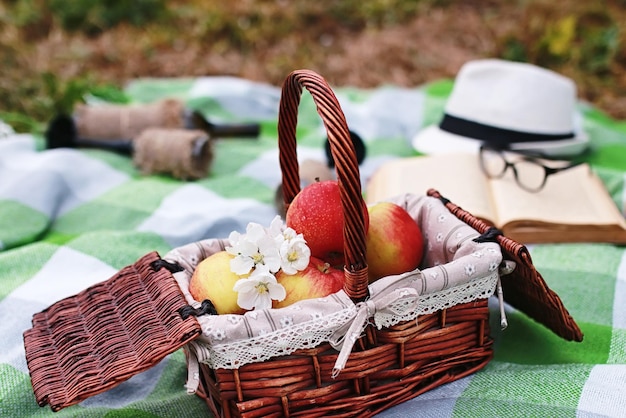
(103,122)
(182,153)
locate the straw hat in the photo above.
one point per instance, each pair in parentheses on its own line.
(509,104)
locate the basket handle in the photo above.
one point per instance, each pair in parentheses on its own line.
(346,167)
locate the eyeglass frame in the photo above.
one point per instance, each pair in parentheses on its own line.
(532,158)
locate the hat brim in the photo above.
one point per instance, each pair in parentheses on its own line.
(433,140)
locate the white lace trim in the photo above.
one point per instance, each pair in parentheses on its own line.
(312,333)
(476,289)
(282,342)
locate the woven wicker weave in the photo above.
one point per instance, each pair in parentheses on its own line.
(387,367)
(86,344)
(90,342)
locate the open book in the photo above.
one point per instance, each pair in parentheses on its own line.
(573,206)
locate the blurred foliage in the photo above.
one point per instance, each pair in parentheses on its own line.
(94,39)
(90,17)
(584,41)
(246,24)
(587,39)
(93,17)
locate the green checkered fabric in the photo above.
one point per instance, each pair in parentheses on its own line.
(71,218)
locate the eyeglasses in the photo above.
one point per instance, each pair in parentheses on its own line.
(530,174)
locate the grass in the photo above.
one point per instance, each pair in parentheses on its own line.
(55,52)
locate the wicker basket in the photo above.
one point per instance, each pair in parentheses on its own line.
(73,354)
(387,365)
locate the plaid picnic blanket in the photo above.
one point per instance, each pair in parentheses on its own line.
(71,218)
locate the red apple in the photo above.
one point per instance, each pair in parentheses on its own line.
(319,279)
(316,213)
(394,241)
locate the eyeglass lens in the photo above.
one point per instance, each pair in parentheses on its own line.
(528,174)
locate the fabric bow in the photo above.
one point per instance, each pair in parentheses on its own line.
(396,302)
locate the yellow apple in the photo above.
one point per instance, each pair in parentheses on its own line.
(212,279)
(394,241)
(319,279)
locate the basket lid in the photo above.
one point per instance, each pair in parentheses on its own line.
(86,344)
(525,288)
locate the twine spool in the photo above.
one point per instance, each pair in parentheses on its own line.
(104,122)
(185,154)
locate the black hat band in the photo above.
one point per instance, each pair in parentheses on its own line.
(494,135)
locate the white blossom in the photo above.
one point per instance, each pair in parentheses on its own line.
(289,234)
(254,248)
(282,233)
(260,253)
(294,255)
(258,290)
(243,252)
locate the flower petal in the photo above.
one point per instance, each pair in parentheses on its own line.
(277,291)
(290,234)
(263,301)
(270,254)
(276,227)
(241,265)
(255,232)
(244,285)
(247,248)
(247,300)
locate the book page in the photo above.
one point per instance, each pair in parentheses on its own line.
(457,177)
(572,197)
